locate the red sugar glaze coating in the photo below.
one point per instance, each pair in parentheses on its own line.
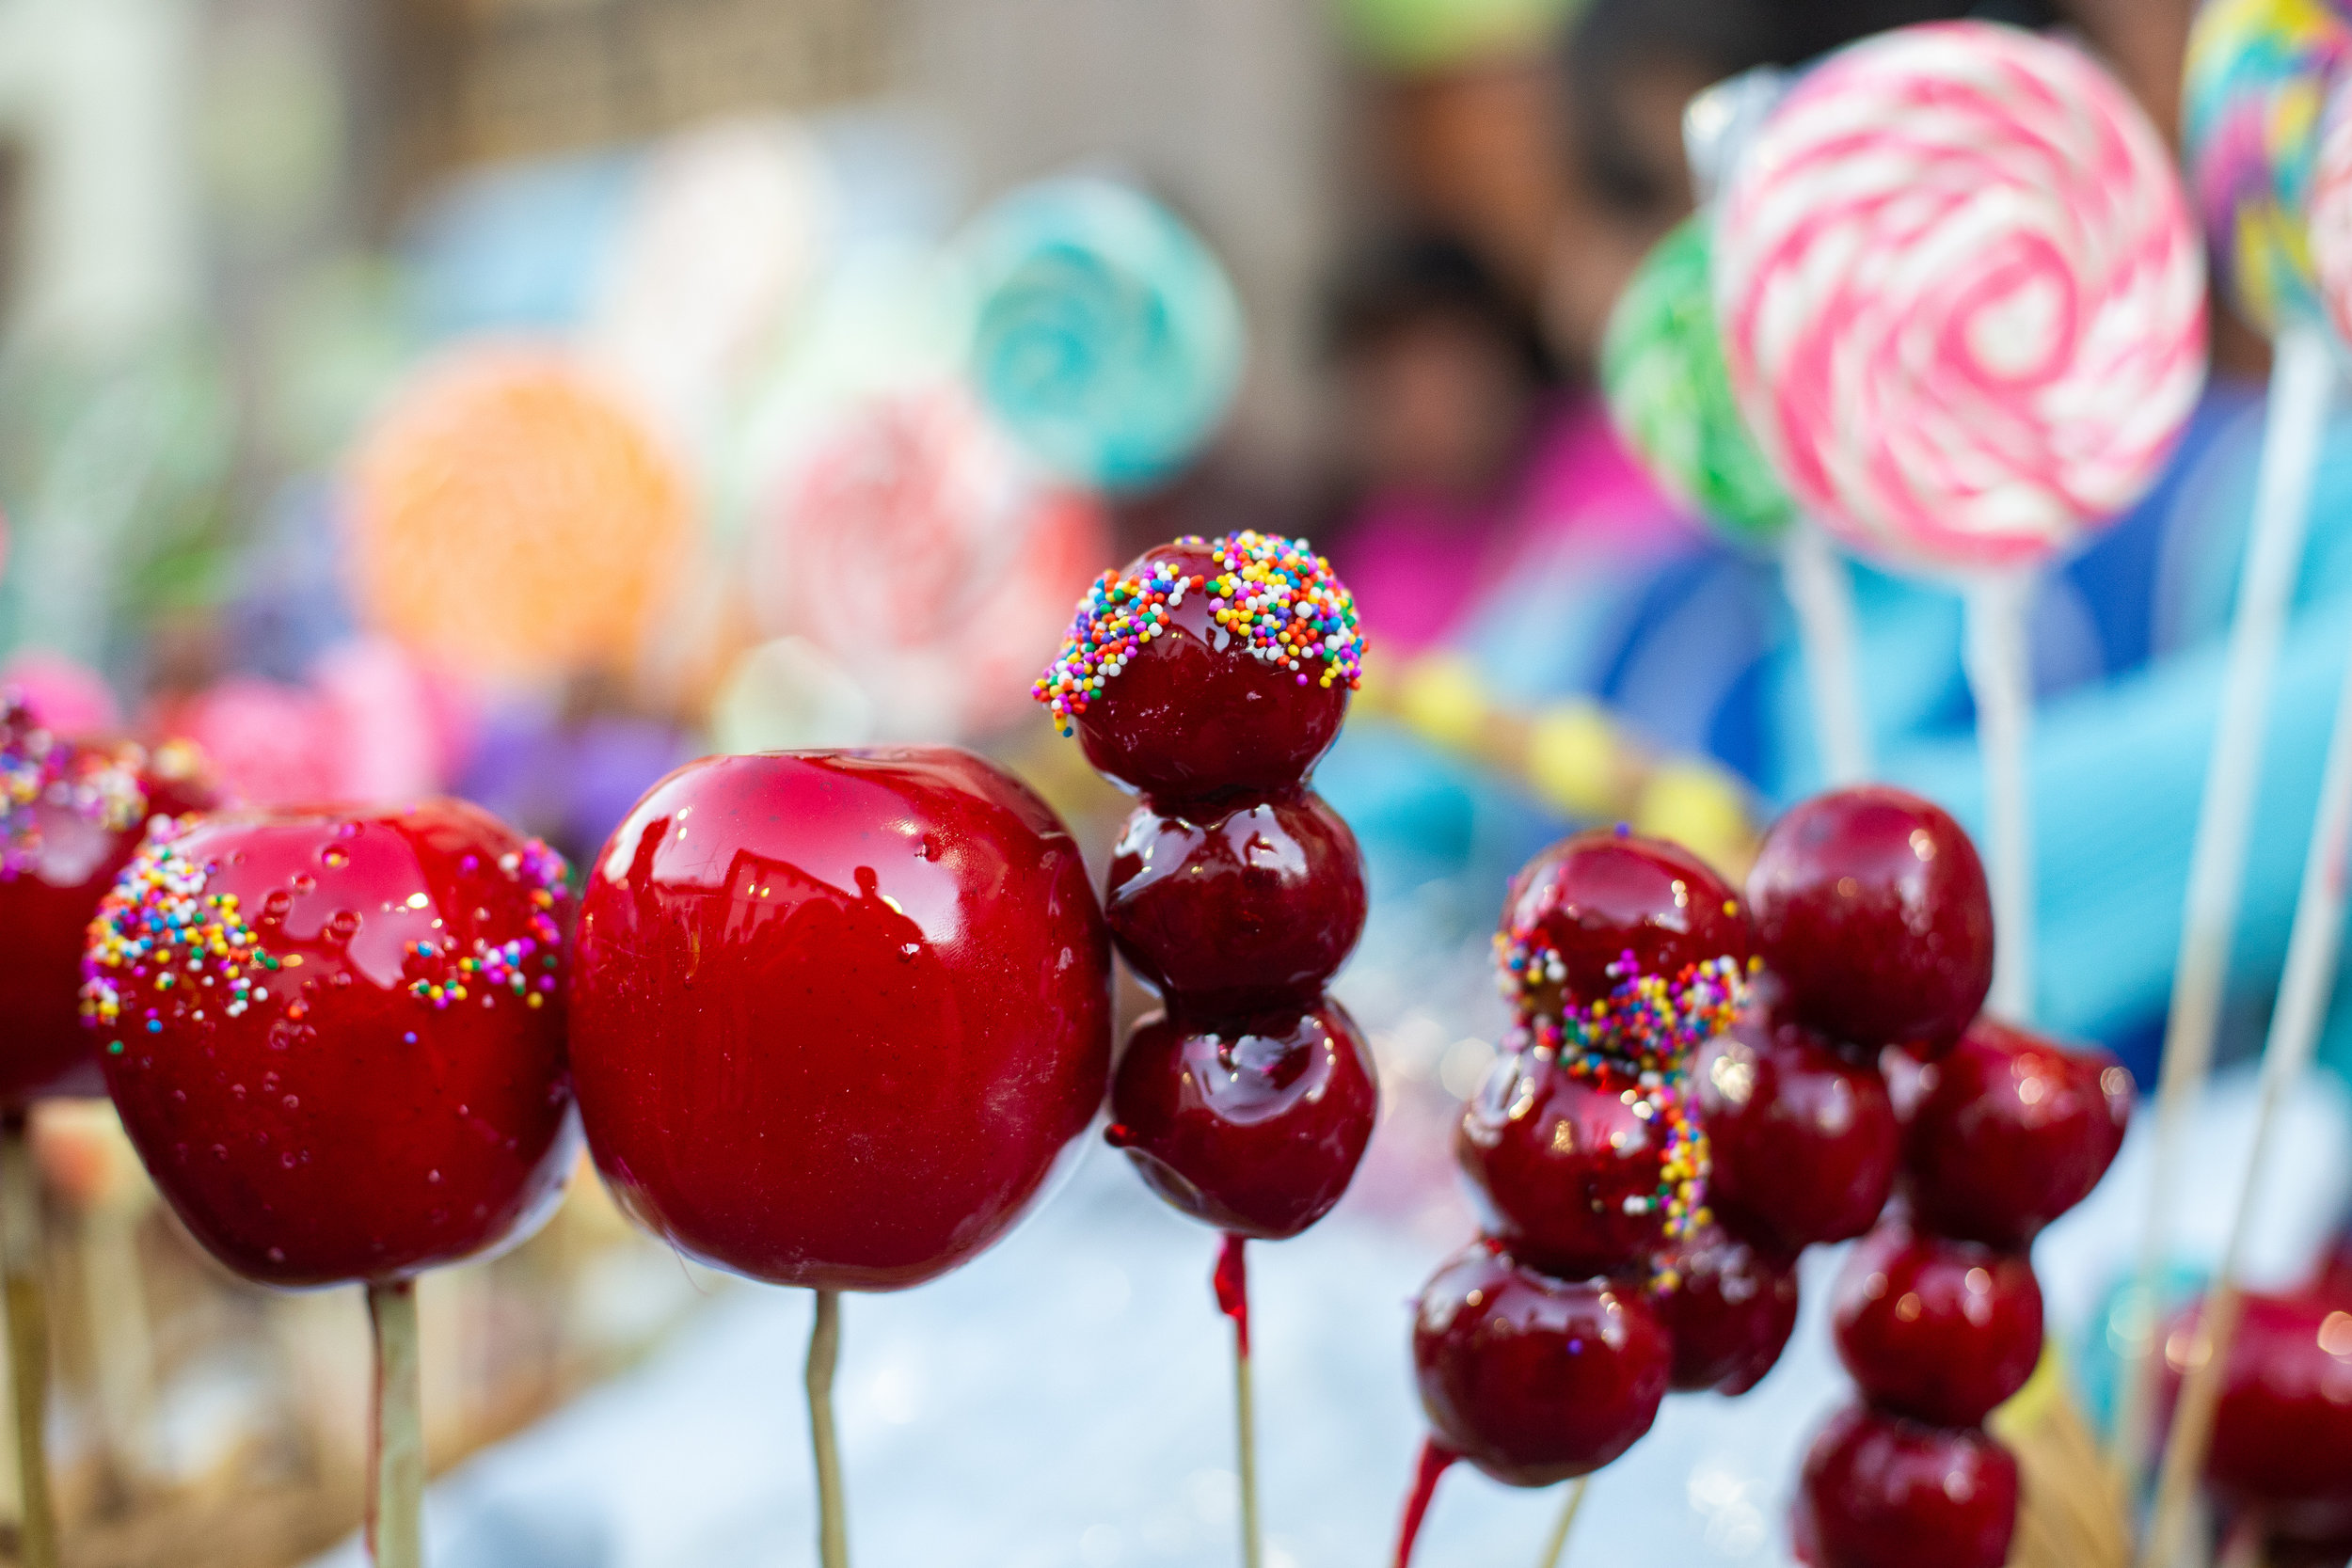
(309,1140)
(1879,1491)
(1195,715)
(1805,1140)
(1239,908)
(1731,1310)
(1597,895)
(1933,1328)
(1551,1162)
(837,1013)
(1254,1126)
(2009,1131)
(2283,1430)
(1535,1380)
(1870,904)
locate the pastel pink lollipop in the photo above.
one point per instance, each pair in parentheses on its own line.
(1963,302)
(2331,213)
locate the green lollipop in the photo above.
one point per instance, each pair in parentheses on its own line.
(1662,367)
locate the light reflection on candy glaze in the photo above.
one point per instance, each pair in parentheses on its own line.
(1963,305)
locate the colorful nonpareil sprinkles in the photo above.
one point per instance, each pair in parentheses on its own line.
(525,966)
(160,921)
(99,784)
(1275,597)
(1652,1023)
(1683,1162)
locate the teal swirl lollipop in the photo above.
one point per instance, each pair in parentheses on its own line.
(1662,367)
(1106,336)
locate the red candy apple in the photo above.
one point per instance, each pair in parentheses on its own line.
(1933,1328)
(1730,1307)
(837,1012)
(1580,909)
(1871,906)
(1879,1491)
(1535,1380)
(1576,1170)
(2009,1131)
(1237,907)
(1803,1140)
(1208,668)
(2282,1428)
(337,1041)
(1254,1126)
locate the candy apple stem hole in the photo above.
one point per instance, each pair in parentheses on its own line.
(28,1337)
(824,1355)
(396,1471)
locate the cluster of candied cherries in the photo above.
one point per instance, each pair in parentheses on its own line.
(1544,1349)
(1208,679)
(1864,1069)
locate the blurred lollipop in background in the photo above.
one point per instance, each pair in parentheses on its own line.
(1106,336)
(1662,367)
(922,552)
(1963,311)
(2255,85)
(513,519)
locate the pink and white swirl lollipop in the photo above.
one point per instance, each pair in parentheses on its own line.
(1963,302)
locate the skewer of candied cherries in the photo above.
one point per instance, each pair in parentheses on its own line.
(1209,677)
(1543,1350)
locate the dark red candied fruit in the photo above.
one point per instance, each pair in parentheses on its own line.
(2009,1131)
(1804,1141)
(1730,1310)
(316,1115)
(2283,1430)
(1880,1491)
(838,1013)
(1870,904)
(1595,896)
(1237,907)
(1933,1328)
(1255,1125)
(1196,715)
(1563,1170)
(1531,1379)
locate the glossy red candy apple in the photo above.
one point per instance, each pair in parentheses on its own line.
(1576,1169)
(1580,909)
(71,814)
(1730,1307)
(1870,904)
(337,1040)
(2282,1428)
(1254,1125)
(1880,1491)
(837,1013)
(1209,667)
(1237,907)
(1803,1140)
(2009,1131)
(1535,1380)
(1934,1328)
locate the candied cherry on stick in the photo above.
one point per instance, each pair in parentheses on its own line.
(2281,1443)
(1803,1140)
(1577,1166)
(1933,1328)
(2009,1131)
(337,1043)
(1254,1126)
(1872,906)
(1878,1490)
(1209,667)
(1238,907)
(1729,1305)
(1610,920)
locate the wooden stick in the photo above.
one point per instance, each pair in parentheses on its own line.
(1232,1299)
(28,1337)
(2001,676)
(2313,947)
(1558,1544)
(824,1357)
(2302,381)
(396,1477)
(1820,590)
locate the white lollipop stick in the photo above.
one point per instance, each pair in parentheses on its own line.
(1821,591)
(2302,382)
(2000,677)
(2312,950)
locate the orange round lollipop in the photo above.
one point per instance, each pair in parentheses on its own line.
(512,515)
